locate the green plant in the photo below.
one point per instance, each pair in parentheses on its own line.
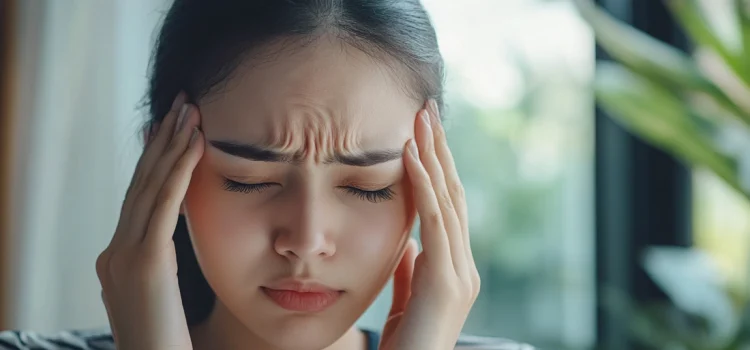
(697,107)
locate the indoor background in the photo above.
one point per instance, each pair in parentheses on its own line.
(566,200)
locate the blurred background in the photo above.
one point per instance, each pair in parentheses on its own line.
(603,145)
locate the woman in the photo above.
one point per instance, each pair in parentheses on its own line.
(290,147)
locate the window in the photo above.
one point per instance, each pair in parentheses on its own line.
(520,119)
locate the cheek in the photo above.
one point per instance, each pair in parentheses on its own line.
(219,226)
(377,235)
(225,227)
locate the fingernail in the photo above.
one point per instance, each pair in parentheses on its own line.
(426,117)
(194,136)
(433,104)
(413,148)
(181,119)
(179,100)
(435,110)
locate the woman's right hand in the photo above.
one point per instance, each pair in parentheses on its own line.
(138,270)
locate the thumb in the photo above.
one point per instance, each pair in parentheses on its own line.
(402,278)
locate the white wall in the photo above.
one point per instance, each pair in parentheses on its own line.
(82,72)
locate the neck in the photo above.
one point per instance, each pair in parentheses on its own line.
(222,331)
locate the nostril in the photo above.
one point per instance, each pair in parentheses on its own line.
(304,243)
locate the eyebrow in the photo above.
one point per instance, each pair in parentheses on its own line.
(265,154)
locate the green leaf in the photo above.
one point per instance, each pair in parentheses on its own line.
(690,16)
(653,59)
(641,52)
(658,116)
(742,9)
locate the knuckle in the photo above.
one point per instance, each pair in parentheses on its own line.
(165,197)
(463,289)
(446,200)
(457,189)
(111,266)
(434,219)
(429,148)
(102,264)
(466,287)
(454,292)
(173,145)
(115,263)
(466,293)
(447,283)
(476,282)
(148,187)
(128,267)
(424,185)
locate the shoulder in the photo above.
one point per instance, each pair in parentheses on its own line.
(79,340)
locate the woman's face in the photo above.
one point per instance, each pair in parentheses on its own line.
(302,186)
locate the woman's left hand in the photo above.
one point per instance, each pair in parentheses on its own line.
(435,289)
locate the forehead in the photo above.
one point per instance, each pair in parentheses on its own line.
(325,85)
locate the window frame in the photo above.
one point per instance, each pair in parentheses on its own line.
(643,195)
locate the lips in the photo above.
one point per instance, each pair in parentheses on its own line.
(301,296)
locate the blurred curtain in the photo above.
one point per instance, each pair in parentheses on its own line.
(7,20)
(80,74)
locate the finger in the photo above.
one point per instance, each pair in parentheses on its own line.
(455,188)
(147,200)
(426,143)
(143,169)
(155,147)
(432,233)
(164,219)
(402,278)
(149,134)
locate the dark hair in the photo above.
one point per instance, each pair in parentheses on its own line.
(202,42)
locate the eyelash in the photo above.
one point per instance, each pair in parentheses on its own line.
(370,196)
(234,186)
(376,196)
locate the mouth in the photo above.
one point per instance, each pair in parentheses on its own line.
(300,296)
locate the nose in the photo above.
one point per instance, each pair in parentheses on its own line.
(306,230)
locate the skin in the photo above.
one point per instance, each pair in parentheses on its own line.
(320,104)
(313,105)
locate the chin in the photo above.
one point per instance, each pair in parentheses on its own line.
(300,334)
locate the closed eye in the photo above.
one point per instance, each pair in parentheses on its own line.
(371,196)
(234,186)
(375,196)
